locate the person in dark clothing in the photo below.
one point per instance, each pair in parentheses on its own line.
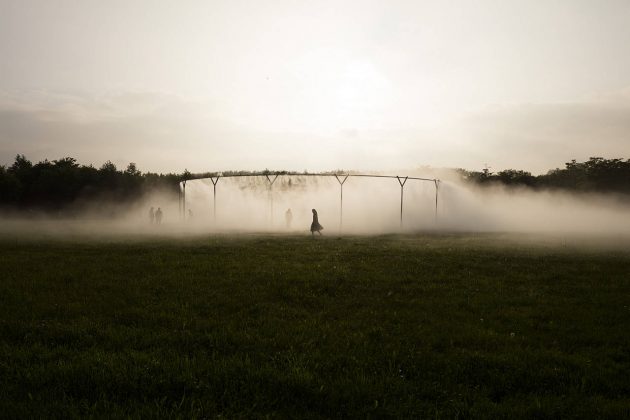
(288,217)
(158,216)
(315,226)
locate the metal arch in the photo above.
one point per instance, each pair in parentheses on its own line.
(276,174)
(401,180)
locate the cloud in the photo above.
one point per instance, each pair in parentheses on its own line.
(158,132)
(538,137)
(162,132)
(154,130)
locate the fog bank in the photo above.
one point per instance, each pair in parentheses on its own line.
(370,206)
(373,206)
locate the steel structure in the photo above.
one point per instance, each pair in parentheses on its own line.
(272,177)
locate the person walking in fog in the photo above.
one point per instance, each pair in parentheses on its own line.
(151,216)
(158,216)
(288,216)
(315,226)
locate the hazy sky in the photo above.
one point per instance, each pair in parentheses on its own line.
(215,85)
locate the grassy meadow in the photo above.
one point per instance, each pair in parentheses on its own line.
(286,326)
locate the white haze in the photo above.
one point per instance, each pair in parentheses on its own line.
(370,206)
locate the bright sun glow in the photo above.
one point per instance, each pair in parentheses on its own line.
(335,91)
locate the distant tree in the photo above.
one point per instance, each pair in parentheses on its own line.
(132,170)
(596,174)
(66,162)
(10,187)
(485,172)
(57,185)
(22,168)
(108,167)
(516,177)
(475,177)
(21,163)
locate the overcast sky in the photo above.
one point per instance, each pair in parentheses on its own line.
(215,85)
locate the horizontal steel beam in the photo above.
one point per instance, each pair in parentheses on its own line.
(301,174)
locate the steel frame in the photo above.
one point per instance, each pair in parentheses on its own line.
(341,179)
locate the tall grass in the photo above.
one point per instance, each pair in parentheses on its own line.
(287,326)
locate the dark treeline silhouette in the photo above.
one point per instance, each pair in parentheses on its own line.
(595,175)
(59,185)
(63,184)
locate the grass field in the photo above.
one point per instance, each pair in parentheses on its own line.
(423,326)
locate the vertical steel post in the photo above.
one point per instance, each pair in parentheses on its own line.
(436,182)
(214,196)
(184,199)
(271,196)
(341,199)
(402,188)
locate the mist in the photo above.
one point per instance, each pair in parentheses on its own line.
(503,209)
(371,206)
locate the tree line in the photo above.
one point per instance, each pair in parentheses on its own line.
(63,184)
(59,184)
(595,175)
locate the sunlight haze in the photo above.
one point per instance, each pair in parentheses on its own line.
(218,85)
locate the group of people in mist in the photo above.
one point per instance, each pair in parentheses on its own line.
(155,217)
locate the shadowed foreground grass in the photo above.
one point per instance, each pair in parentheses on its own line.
(286,326)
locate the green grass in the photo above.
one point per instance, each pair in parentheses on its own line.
(441,326)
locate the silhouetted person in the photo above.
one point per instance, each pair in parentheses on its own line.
(288,216)
(158,216)
(190,214)
(151,216)
(315,226)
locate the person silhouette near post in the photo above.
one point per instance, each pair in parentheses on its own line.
(315,226)
(158,216)
(151,216)
(288,217)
